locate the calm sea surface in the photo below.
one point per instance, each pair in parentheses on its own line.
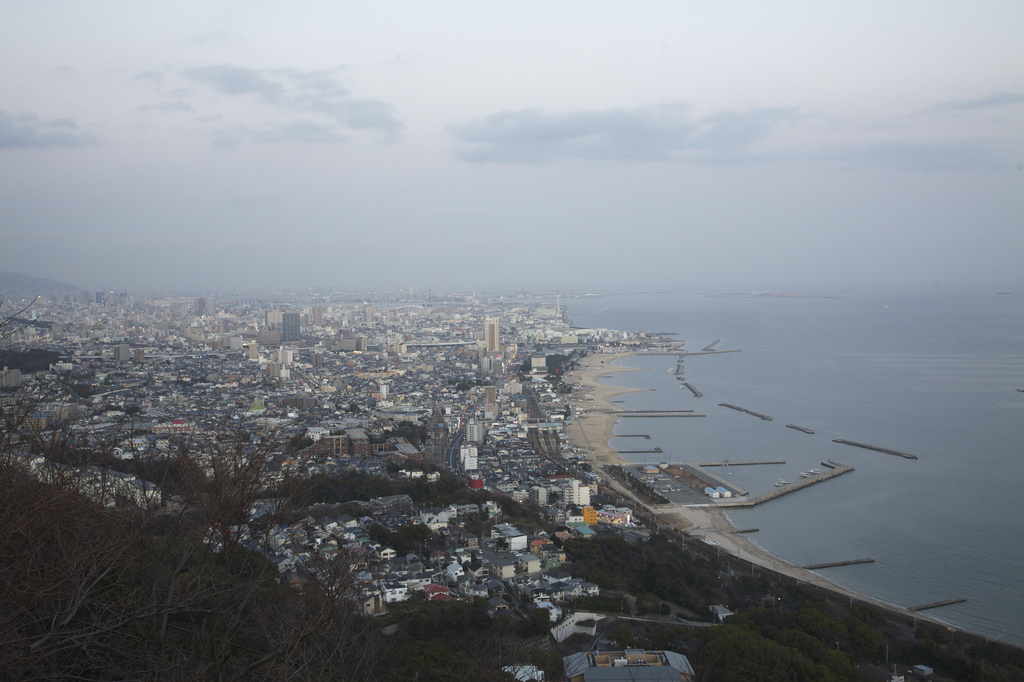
(931,374)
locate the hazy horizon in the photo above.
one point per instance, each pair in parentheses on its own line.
(576,146)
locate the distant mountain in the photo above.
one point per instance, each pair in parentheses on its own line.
(11,282)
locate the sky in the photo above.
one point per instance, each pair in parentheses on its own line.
(578,146)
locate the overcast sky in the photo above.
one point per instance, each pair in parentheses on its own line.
(496,145)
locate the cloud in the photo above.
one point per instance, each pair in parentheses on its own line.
(169,107)
(295,132)
(999,99)
(303,132)
(653,133)
(28,130)
(235,80)
(916,155)
(154,77)
(317,92)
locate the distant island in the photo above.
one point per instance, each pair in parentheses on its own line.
(769,294)
(11,282)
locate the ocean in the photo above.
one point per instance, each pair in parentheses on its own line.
(933,373)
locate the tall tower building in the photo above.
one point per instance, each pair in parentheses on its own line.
(318,315)
(368,313)
(492,341)
(290,330)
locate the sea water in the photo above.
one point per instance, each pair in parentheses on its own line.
(934,374)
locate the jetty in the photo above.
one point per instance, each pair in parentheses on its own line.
(833,564)
(634,435)
(624,412)
(937,604)
(835,469)
(711,345)
(874,447)
(652,414)
(690,387)
(709,352)
(655,451)
(743,409)
(736,464)
(800,428)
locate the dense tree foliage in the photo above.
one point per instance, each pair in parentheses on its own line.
(659,568)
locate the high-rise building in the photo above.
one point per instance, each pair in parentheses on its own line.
(368,313)
(254,351)
(199,306)
(268,337)
(290,327)
(318,315)
(492,340)
(140,356)
(122,352)
(468,457)
(475,432)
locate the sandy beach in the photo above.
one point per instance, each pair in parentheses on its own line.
(593,428)
(595,413)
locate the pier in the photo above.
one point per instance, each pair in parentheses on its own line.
(696,394)
(634,435)
(624,412)
(709,352)
(736,464)
(647,414)
(655,451)
(683,471)
(743,409)
(833,564)
(835,469)
(937,604)
(874,447)
(748,530)
(804,429)
(711,345)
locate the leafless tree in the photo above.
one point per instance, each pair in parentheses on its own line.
(103,585)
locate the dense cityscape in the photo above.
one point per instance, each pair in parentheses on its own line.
(421,442)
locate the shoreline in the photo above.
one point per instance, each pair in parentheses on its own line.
(592,430)
(594,401)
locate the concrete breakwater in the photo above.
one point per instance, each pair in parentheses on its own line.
(835,469)
(690,387)
(739,464)
(874,447)
(936,604)
(743,409)
(674,414)
(833,564)
(800,428)
(709,352)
